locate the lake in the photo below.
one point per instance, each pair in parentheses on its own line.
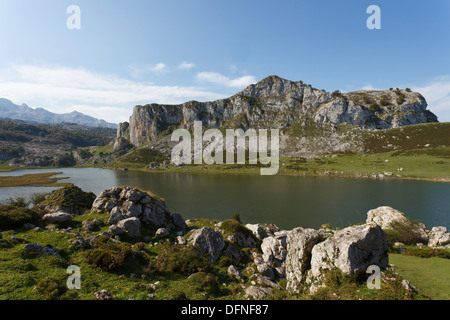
(286,201)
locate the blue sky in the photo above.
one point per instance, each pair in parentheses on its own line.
(172,51)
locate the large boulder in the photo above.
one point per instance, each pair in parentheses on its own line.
(351,250)
(391,219)
(131,226)
(208,240)
(57,217)
(300,243)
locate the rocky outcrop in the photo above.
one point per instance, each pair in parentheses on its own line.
(391,219)
(209,241)
(69,199)
(278,103)
(129,208)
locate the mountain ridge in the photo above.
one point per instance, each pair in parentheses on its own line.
(279,103)
(9,110)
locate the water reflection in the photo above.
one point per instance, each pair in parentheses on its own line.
(286,201)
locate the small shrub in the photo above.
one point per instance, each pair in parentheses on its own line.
(37,198)
(426,252)
(400,99)
(384,101)
(12,217)
(111,256)
(205,282)
(406,233)
(51,289)
(237,217)
(181,259)
(18,202)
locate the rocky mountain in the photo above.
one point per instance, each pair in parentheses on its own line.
(279,103)
(11,111)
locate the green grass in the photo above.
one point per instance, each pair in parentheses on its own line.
(431,163)
(430,275)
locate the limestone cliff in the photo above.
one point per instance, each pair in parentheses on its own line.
(278,103)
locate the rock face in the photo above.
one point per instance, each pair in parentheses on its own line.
(277,103)
(208,241)
(300,243)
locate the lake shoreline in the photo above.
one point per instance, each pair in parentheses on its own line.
(238,172)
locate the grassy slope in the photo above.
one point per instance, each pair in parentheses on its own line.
(430,275)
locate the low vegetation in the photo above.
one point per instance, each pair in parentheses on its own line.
(35,179)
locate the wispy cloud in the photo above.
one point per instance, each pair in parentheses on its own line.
(437,94)
(219,79)
(186,65)
(62,89)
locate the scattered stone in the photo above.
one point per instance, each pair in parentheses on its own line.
(88,225)
(232,270)
(181,240)
(103,295)
(39,249)
(257,293)
(162,233)
(29,226)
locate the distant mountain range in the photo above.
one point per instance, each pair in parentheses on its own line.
(11,111)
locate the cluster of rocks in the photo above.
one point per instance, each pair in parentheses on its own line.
(302,256)
(129,208)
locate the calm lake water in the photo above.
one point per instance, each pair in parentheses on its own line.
(286,201)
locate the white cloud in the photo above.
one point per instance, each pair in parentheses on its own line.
(437,95)
(186,65)
(109,97)
(159,68)
(217,78)
(369,87)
